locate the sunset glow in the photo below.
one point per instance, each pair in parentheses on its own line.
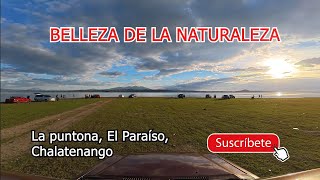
(279,68)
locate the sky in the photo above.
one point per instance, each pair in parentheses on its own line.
(29,60)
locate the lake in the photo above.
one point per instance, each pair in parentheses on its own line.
(7,94)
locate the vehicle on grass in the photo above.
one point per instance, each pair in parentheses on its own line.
(225,97)
(132,96)
(208,96)
(232,96)
(18,99)
(181,96)
(95,96)
(121,96)
(42,97)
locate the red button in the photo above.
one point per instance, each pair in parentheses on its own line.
(243,142)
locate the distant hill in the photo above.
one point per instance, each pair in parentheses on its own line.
(121,89)
(34,89)
(128,89)
(244,90)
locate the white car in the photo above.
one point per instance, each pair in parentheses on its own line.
(41,97)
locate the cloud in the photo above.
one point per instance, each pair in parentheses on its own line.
(3,19)
(309,62)
(249,69)
(26,48)
(285,14)
(24,81)
(251,83)
(36,60)
(210,84)
(112,74)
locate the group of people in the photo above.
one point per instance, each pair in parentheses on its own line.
(87,95)
(260,96)
(61,96)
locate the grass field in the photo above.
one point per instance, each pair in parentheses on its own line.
(188,122)
(15,114)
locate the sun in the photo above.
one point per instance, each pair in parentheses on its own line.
(279,68)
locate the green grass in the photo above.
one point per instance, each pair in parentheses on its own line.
(16,114)
(188,122)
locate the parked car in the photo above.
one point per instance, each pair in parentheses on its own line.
(18,99)
(225,97)
(121,96)
(132,96)
(41,97)
(95,96)
(232,96)
(208,96)
(181,96)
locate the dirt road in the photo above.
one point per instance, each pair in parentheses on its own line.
(17,139)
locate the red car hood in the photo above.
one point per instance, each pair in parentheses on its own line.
(167,166)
